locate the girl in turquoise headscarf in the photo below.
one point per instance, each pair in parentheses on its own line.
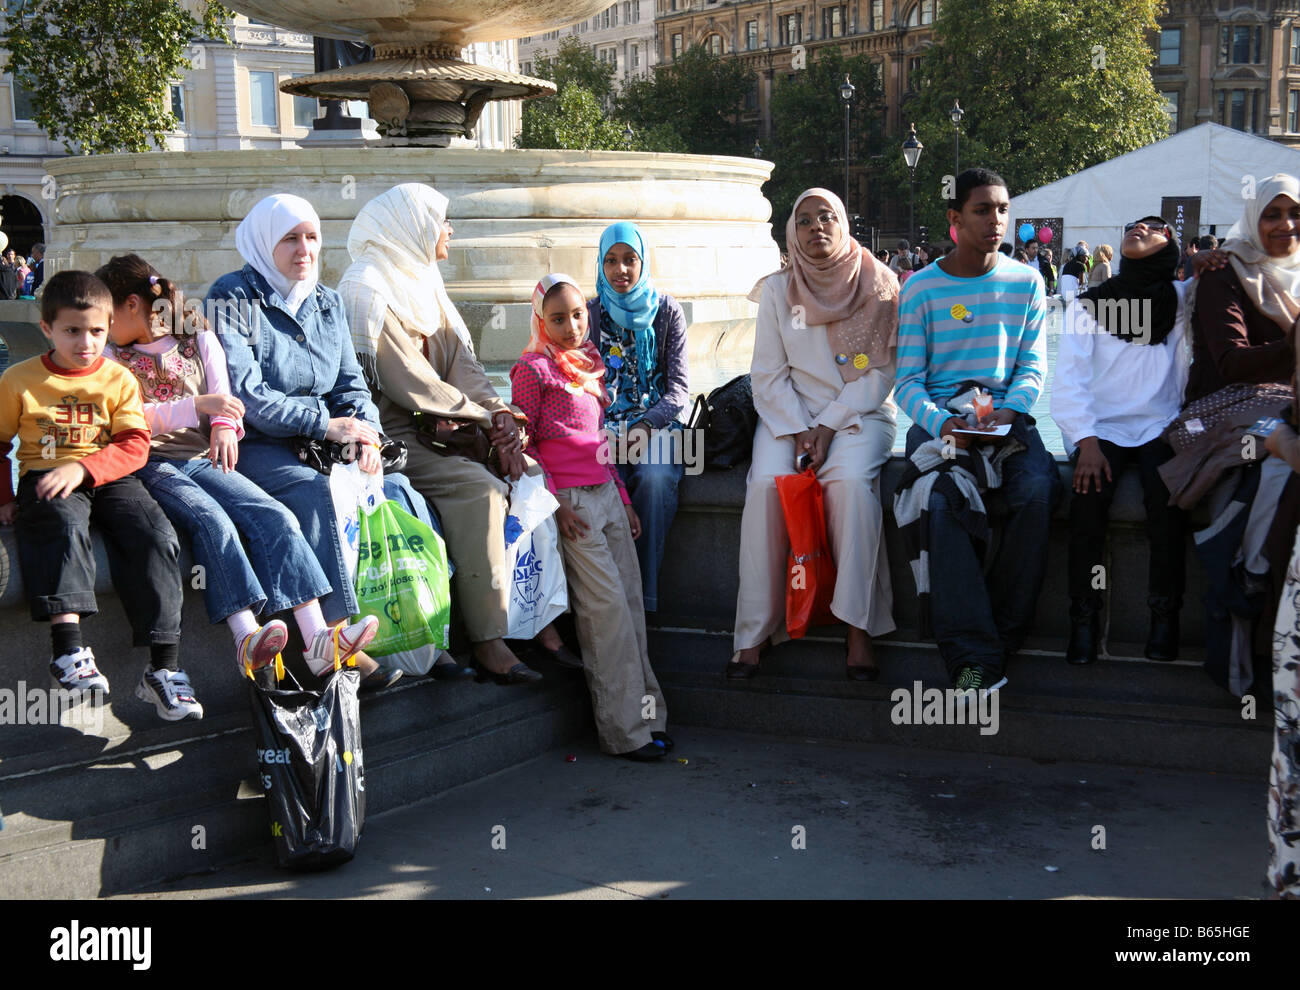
(641,334)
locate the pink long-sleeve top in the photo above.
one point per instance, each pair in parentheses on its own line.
(566,426)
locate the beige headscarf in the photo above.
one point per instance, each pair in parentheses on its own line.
(1273,284)
(394,269)
(851,293)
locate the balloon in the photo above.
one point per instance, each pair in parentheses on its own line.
(1026,232)
(1045,235)
(952,233)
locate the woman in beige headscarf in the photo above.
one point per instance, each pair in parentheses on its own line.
(822,373)
(416,355)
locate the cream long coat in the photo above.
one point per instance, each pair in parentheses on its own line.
(797,386)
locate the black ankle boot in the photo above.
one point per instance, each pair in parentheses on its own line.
(1162,640)
(1085,631)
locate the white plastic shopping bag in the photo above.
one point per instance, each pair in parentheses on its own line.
(538,592)
(353,492)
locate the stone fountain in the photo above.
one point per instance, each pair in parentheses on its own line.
(518,214)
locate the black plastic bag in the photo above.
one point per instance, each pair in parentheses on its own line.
(310,764)
(728,419)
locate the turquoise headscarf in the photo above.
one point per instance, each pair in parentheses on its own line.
(635,309)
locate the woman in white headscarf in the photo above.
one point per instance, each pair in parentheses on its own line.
(292,365)
(417,357)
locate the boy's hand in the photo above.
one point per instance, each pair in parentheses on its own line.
(633,521)
(571,525)
(61,482)
(217,404)
(1091,465)
(8,513)
(224,452)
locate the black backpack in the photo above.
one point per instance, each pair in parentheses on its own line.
(728,419)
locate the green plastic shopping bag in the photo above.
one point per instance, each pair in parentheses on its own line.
(402,580)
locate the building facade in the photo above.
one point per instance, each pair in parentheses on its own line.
(229,100)
(1233,63)
(623,34)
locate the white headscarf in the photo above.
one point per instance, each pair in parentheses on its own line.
(393,244)
(1273,284)
(265,226)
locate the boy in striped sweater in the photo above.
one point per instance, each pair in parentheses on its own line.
(979,316)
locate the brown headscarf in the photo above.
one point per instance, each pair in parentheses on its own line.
(851,293)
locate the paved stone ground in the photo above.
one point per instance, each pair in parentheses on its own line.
(877,821)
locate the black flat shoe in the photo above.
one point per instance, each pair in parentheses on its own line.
(663,739)
(859,673)
(740,671)
(563,656)
(646,754)
(451,672)
(518,674)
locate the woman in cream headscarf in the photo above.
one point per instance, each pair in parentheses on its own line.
(291,363)
(822,372)
(416,354)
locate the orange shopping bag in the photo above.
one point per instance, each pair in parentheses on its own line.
(810,578)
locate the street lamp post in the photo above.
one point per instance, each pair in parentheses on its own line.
(846,94)
(912,149)
(956,113)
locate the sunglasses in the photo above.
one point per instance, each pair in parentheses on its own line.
(1151,225)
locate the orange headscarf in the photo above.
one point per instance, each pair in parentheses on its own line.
(581,365)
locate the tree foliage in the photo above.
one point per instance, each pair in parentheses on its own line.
(808,128)
(1049,88)
(699,98)
(99,70)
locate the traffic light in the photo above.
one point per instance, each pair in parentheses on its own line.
(924,234)
(860,232)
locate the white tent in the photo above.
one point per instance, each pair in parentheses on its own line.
(1211,161)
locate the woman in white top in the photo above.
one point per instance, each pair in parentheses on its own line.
(1121,368)
(822,372)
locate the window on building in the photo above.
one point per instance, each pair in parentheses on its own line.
(1239,44)
(677,46)
(305,110)
(914,73)
(1295,46)
(751,35)
(1237,110)
(833,19)
(1293,111)
(177,92)
(604,19)
(1171,108)
(263,96)
(613,15)
(23,109)
(636,56)
(927,11)
(526,68)
(1171,46)
(877,15)
(792,29)
(713,44)
(751,98)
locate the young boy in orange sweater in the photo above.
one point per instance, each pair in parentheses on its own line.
(81,432)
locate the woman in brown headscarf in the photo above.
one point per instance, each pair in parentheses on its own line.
(822,373)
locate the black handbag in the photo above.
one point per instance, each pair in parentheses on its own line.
(728,419)
(323,454)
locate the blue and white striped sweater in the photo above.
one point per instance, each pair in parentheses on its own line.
(989,329)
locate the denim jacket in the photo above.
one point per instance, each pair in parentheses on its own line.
(293,374)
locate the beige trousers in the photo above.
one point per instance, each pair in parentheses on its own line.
(850,481)
(473,504)
(605,594)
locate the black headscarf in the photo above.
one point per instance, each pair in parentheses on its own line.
(1137,279)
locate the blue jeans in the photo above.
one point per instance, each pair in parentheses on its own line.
(272,465)
(277,572)
(652,487)
(979,621)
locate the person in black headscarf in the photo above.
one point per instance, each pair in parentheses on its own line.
(1121,369)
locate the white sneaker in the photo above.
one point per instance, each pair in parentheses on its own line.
(346,639)
(171,694)
(77,673)
(257,649)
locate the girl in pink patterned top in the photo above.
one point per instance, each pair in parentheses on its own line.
(558,384)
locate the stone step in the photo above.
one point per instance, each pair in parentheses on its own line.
(1121,711)
(78,824)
